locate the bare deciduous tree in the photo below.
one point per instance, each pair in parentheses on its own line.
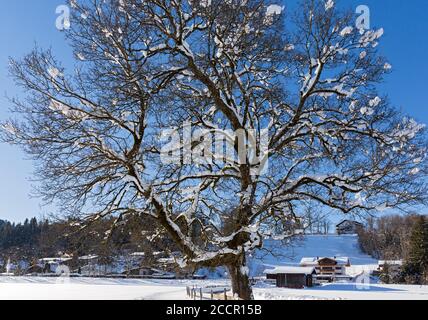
(146,66)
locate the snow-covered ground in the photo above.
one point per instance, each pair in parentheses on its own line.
(345,291)
(31,288)
(26,288)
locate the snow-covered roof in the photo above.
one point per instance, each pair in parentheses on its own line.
(138,254)
(349,221)
(290,270)
(391,262)
(89,257)
(166,260)
(314,260)
(54,260)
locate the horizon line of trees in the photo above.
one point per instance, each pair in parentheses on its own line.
(20,234)
(34,239)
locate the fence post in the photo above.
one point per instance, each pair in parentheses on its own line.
(225,294)
(200,291)
(212,294)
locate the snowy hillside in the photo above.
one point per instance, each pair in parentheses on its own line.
(310,246)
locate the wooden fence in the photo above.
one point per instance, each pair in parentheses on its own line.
(209,293)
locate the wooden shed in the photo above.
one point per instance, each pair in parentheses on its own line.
(292,277)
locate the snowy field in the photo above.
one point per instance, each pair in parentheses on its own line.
(343,291)
(25,288)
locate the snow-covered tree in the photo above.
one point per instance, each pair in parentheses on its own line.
(142,67)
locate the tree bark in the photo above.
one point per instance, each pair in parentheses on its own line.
(240,281)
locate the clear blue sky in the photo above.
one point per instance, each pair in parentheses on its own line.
(26,22)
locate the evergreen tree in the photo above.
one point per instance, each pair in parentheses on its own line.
(385,275)
(416,266)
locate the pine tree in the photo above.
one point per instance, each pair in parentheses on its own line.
(416,266)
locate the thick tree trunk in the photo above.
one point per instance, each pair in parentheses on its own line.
(240,281)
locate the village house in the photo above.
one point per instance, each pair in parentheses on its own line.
(394,266)
(292,277)
(327,268)
(148,272)
(51,265)
(140,271)
(348,227)
(88,265)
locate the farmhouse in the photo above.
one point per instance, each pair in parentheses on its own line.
(291,277)
(348,227)
(327,268)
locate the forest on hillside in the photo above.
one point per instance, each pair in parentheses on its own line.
(35,238)
(398,237)
(387,237)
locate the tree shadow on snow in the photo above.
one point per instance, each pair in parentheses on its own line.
(355,287)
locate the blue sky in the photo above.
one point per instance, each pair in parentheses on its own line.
(26,22)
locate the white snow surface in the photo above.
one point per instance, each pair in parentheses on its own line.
(39,288)
(31,288)
(345,291)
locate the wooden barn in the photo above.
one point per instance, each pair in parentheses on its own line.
(292,277)
(348,227)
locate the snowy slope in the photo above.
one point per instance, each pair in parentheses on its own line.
(310,246)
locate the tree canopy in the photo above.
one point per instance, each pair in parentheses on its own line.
(300,88)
